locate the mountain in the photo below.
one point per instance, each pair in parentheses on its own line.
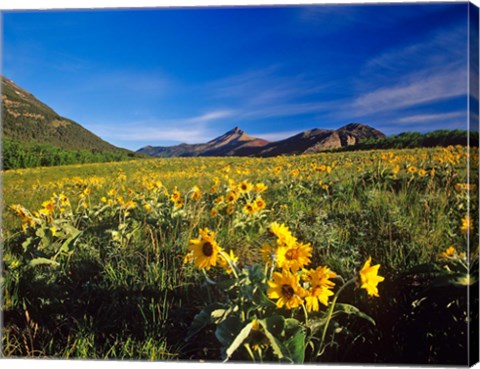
(26,119)
(228,144)
(237,143)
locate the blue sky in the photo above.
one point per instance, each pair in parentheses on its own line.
(165,76)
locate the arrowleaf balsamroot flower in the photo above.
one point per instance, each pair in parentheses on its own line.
(283,234)
(320,287)
(294,256)
(369,278)
(205,249)
(448,253)
(225,258)
(286,288)
(466,224)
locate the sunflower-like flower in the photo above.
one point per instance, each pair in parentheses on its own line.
(47,207)
(245,187)
(369,278)
(448,253)
(267,253)
(412,169)
(422,172)
(205,249)
(225,259)
(257,338)
(283,234)
(231,197)
(320,287)
(175,195)
(286,288)
(249,209)
(466,224)
(259,203)
(294,256)
(260,187)
(196,193)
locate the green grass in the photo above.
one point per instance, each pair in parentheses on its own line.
(120,288)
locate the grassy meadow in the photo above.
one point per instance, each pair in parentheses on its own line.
(332,257)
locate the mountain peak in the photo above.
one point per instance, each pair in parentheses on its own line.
(353,126)
(236,130)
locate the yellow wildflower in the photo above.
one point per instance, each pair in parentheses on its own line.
(294,256)
(205,249)
(320,287)
(466,224)
(285,287)
(369,278)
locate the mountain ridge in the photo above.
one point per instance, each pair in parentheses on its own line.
(27,119)
(236,142)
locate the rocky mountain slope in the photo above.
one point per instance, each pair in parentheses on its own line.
(238,143)
(229,144)
(26,119)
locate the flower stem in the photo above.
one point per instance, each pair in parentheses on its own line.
(321,345)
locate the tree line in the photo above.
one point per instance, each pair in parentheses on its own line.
(19,154)
(406,140)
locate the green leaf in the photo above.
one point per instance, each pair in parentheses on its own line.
(352,310)
(66,244)
(227,330)
(275,324)
(295,344)
(201,320)
(242,336)
(26,243)
(43,261)
(259,298)
(255,274)
(219,315)
(278,349)
(316,324)
(226,284)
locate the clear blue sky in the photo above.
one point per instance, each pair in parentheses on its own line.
(165,76)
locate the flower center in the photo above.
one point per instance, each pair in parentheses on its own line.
(287,291)
(291,254)
(207,249)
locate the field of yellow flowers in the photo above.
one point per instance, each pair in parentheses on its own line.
(333,257)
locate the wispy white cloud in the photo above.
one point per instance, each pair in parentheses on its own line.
(188,130)
(419,88)
(264,86)
(429,70)
(211,116)
(437,48)
(158,131)
(432,117)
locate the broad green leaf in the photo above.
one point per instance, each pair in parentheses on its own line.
(278,349)
(316,324)
(66,244)
(275,324)
(296,346)
(259,298)
(242,336)
(219,315)
(294,333)
(226,284)
(352,310)
(255,274)
(227,330)
(201,320)
(43,261)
